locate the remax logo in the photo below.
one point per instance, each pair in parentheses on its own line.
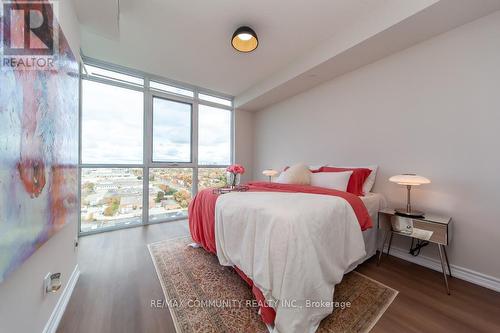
(29,34)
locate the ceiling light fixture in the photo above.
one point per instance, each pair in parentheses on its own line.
(245,39)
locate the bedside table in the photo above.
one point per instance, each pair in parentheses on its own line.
(431,228)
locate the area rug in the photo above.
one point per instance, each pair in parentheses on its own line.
(203,296)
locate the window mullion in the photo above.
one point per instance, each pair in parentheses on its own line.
(147,149)
(231,143)
(194,147)
(79,171)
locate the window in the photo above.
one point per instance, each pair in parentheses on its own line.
(171,131)
(112,75)
(211,178)
(170,191)
(214,136)
(170,89)
(139,163)
(214,99)
(110,197)
(112,130)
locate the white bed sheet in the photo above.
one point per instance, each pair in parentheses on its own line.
(294,260)
(373,202)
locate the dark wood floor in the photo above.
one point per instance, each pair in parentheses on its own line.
(118,282)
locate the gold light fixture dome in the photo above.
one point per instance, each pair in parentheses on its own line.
(244,39)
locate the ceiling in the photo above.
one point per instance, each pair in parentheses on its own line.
(301,43)
(398,29)
(189,40)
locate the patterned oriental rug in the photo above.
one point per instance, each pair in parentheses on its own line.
(203,296)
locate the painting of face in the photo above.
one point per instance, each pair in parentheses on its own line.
(38,154)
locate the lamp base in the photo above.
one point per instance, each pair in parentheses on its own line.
(405,212)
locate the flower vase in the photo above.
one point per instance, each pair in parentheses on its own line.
(233,179)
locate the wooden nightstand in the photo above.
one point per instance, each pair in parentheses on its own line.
(432,228)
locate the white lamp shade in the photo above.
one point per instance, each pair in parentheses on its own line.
(409,179)
(269,172)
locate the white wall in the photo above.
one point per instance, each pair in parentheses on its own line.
(23,305)
(24,308)
(244,141)
(433,109)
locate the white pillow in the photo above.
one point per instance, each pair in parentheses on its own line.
(314,167)
(332,180)
(310,167)
(370,181)
(297,174)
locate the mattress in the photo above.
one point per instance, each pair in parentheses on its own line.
(373,202)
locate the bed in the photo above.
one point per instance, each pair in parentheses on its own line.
(252,231)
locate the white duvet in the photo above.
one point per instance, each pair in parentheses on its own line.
(294,246)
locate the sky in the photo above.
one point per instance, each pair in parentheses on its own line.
(112,128)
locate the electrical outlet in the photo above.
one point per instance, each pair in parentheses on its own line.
(52,283)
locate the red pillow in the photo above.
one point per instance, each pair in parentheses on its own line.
(358,177)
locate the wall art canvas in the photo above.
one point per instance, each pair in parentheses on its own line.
(38,137)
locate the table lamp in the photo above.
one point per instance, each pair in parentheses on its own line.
(270,173)
(409,180)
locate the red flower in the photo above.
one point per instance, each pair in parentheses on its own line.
(236,169)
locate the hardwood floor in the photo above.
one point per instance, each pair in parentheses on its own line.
(423,305)
(118,283)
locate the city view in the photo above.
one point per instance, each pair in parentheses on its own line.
(113,196)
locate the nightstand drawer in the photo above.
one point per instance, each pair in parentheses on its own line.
(439,231)
(405,225)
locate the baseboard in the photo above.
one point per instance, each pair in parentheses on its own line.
(55,317)
(462,273)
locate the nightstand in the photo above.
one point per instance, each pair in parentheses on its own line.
(432,228)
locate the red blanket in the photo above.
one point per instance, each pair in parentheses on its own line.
(202,220)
